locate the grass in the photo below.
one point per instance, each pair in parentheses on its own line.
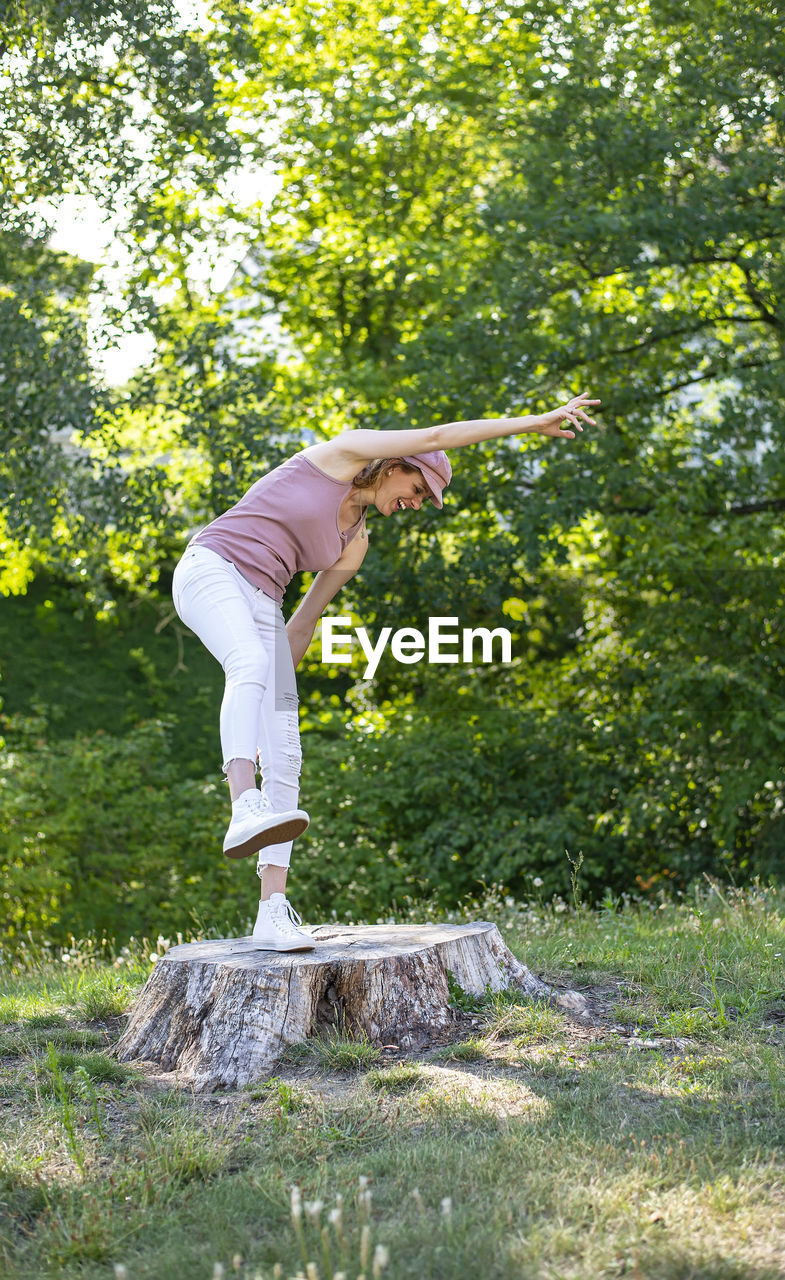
(471,1050)
(648,1141)
(336,1049)
(398,1078)
(81,981)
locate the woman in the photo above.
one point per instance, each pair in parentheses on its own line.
(307,514)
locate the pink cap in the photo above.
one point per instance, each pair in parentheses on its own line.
(436,472)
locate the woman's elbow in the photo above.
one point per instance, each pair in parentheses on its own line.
(440,436)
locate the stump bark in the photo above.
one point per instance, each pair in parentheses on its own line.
(220,1013)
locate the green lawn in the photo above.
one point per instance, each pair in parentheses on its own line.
(646,1141)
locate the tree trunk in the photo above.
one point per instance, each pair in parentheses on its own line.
(221,1013)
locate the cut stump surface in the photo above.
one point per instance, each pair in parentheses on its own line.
(220,1013)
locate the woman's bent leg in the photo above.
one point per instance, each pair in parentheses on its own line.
(278,712)
(229,617)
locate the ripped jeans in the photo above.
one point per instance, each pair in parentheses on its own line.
(244,630)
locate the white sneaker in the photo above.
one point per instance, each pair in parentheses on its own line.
(276,927)
(254,825)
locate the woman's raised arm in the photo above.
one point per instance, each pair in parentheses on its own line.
(352,449)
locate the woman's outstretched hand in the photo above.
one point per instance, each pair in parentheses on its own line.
(553,423)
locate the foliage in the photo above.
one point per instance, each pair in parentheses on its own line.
(655,769)
(434,212)
(87,663)
(106,836)
(455,239)
(97,98)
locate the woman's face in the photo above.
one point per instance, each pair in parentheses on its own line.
(399,490)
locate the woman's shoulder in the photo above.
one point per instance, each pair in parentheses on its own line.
(331,458)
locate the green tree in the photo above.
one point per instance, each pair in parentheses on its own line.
(481,210)
(102,99)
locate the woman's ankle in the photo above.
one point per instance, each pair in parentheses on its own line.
(273,880)
(241,776)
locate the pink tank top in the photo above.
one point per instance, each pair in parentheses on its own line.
(286,522)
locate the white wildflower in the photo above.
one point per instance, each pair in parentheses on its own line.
(381,1257)
(365,1248)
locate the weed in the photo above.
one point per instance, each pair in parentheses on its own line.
(575,871)
(284,1100)
(510,1013)
(46,1020)
(68,1113)
(338,1241)
(687,1022)
(103,996)
(96,1066)
(462,1000)
(179,1147)
(396,1079)
(356,1126)
(336,1050)
(29,1038)
(84,1088)
(710,964)
(277,1090)
(470,1050)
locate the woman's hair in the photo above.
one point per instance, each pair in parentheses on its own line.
(370,473)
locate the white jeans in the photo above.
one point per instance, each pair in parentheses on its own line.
(244,630)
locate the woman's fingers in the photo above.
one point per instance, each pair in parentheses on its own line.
(577,409)
(573,413)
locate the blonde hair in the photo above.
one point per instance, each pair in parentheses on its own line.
(370,473)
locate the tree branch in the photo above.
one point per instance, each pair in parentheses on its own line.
(707,377)
(741,509)
(664,335)
(757,299)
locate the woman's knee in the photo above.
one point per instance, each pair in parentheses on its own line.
(247,663)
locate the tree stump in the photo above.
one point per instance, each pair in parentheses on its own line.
(220,1013)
